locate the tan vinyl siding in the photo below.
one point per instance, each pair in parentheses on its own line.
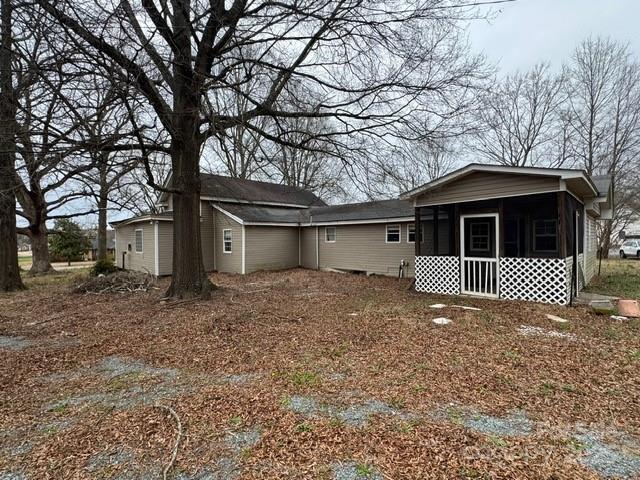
(363,248)
(141,262)
(484,185)
(308,258)
(228,262)
(165,248)
(590,249)
(207,233)
(270,248)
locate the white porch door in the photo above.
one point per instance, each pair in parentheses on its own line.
(479,252)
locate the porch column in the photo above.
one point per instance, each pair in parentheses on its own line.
(418,237)
(562,226)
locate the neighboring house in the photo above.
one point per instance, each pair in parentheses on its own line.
(92,253)
(503,232)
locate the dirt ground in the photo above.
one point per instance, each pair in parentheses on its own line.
(302,374)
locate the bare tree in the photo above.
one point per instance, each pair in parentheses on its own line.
(9,271)
(518,118)
(380,63)
(604,92)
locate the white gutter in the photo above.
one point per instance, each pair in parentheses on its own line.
(156,234)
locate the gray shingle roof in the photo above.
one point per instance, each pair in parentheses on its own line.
(262,214)
(242,190)
(376,210)
(602,183)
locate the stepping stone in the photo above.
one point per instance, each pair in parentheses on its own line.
(628,308)
(555,318)
(441,321)
(602,307)
(619,318)
(438,305)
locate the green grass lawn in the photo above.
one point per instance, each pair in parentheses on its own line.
(24,260)
(620,278)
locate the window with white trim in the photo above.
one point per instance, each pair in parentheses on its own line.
(139,240)
(411,232)
(479,236)
(545,235)
(329,234)
(226,240)
(393,234)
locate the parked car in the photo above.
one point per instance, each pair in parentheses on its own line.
(630,248)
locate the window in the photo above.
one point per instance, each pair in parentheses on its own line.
(329,234)
(226,240)
(479,236)
(545,235)
(393,233)
(139,241)
(411,233)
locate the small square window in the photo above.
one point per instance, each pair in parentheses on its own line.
(139,241)
(226,240)
(329,234)
(393,233)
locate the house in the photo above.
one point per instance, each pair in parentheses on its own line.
(502,232)
(509,232)
(92,253)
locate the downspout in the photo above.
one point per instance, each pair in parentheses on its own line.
(243,270)
(215,233)
(156,233)
(317,248)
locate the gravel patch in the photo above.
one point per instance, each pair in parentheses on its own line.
(529,330)
(14,343)
(354,471)
(515,424)
(606,459)
(238,441)
(114,458)
(356,415)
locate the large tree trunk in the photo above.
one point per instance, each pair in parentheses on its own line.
(189,277)
(41,262)
(605,241)
(9,270)
(102,226)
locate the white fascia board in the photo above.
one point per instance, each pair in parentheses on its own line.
(271,224)
(230,215)
(146,218)
(359,222)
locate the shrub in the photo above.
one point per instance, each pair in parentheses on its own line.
(104,267)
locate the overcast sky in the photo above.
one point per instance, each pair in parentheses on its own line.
(526,32)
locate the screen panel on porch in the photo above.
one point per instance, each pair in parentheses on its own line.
(438,237)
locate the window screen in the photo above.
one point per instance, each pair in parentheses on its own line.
(393,233)
(545,235)
(226,240)
(139,241)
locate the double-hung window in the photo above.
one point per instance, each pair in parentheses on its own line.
(329,234)
(479,236)
(227,238)
(139,241)
(393,234)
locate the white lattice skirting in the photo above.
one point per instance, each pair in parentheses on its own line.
(438,275)
(535,279)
